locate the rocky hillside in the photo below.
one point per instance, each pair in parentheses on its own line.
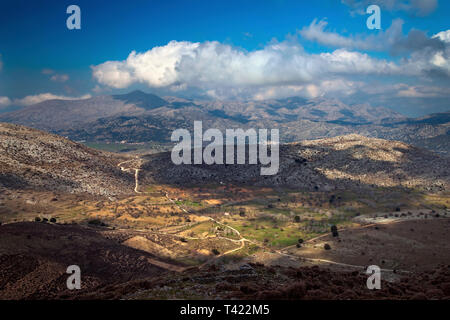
(142,117)
(344,162)
(32,159)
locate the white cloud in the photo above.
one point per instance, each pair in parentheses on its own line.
(47,71)
(59,77)
(443,36)
(220,67)
(316,32)
(5,102)
(33,99)
(420,91)
(392,40)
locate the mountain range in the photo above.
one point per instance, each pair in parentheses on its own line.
(143,117)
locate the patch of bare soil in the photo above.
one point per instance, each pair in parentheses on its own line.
(414,245)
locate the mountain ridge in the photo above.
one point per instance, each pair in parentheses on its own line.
(141,117)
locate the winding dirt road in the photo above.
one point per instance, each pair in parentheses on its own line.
(241,239)
(136,172)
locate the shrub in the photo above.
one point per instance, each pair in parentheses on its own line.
(297,219)
(37,219)
(53,220)
(327,246)
(215,251)
(95,222)
(334,231)
(300,241)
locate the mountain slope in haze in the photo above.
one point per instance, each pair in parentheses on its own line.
(142,117)
(346,162)
(32,159)
(55,115)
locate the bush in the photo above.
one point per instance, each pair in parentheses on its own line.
(53,220)
(37,219)
(334,231)
(327,246)
(300,241)
(44,219)
(297,219)
(95,222)
(215,252)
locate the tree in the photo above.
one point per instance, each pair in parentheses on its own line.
(327,246)
(334,231)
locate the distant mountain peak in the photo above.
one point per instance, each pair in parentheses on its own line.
(141,99)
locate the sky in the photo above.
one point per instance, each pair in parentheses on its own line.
(217,49)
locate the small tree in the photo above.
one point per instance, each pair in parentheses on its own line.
(327,246)
(334,231)
(297,219)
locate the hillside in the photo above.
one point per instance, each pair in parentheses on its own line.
(344,162)
(55,115)
(142,117)
(32,159)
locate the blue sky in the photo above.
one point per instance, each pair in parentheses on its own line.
(229,50)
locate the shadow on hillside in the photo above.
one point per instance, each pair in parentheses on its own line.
(354,168)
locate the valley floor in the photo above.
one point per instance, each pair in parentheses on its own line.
(220,241)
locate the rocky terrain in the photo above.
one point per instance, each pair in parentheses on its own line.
(141,117)
(32,159)
(34,258)
(144,228)
(348,162)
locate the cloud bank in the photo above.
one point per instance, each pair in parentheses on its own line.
(210,65)
(33,99)
(280,68)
